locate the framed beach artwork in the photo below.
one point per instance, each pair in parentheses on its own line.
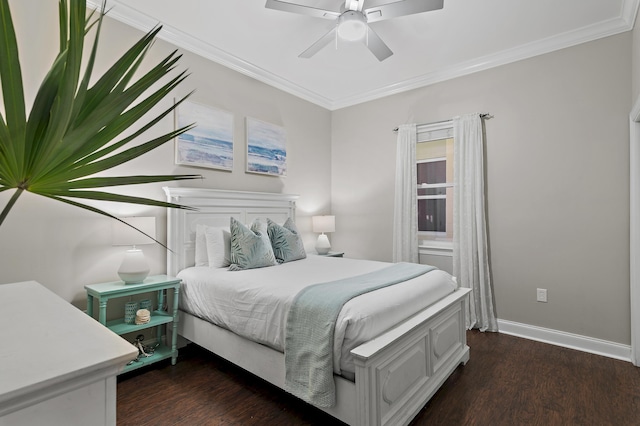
(210,143)
(266,148)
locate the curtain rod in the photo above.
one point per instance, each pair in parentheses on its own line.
(484,115)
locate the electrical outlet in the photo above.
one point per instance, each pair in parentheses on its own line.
(541,295)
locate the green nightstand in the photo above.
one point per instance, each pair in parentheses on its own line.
(159,317)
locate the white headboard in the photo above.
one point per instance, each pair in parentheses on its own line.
(215,208)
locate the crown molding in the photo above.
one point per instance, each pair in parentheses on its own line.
(136,19)
(540,47)
(139,20)
(630,12)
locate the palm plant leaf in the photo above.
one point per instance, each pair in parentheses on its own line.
(72,130)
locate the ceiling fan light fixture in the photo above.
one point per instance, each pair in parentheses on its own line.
(352,26)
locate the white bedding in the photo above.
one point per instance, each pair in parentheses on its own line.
(254,303)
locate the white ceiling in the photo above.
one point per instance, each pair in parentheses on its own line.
(464,37)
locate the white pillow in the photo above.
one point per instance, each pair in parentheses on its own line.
(218,246)
(202,259)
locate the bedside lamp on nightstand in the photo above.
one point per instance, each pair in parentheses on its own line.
(323,224)
(134,268)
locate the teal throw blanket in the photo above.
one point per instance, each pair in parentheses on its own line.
(311,323)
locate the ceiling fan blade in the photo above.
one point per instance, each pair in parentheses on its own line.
(354,5)
(377,46)
(401,8)
(300,9)
(318,45)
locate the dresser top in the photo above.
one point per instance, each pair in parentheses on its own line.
(47,342)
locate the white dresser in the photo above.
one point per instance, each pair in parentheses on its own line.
(58,366)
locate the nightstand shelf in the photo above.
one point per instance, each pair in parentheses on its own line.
(159,317)
(160,353)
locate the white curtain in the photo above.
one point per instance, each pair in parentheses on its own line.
(405,213)
(470,248)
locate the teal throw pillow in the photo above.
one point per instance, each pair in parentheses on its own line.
(250,248)
(286,242)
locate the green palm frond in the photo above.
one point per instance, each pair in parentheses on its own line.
(75,130)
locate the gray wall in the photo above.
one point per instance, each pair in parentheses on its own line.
(557,175)
(65,248)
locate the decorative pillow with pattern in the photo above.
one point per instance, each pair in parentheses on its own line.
(286,242)
(250,248)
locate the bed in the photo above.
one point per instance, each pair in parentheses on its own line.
(384,380)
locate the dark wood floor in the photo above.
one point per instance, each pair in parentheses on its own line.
(507,381)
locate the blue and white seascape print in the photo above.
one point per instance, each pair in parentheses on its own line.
(266,148)
(210,143)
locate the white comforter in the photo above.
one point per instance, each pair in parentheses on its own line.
(254,303)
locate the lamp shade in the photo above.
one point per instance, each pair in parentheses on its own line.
(124,235)
(324,223)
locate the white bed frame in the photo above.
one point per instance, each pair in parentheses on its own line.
(396,373)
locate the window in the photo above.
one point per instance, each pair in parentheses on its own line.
(434,164)
(432,196)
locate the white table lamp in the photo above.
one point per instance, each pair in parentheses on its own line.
(323,224)
(134,268)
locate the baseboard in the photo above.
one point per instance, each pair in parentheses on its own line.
(567,340)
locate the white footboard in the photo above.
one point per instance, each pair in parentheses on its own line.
(399,371)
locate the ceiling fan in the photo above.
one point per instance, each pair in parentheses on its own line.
(352,22)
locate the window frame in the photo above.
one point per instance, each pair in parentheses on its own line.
(427,133)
